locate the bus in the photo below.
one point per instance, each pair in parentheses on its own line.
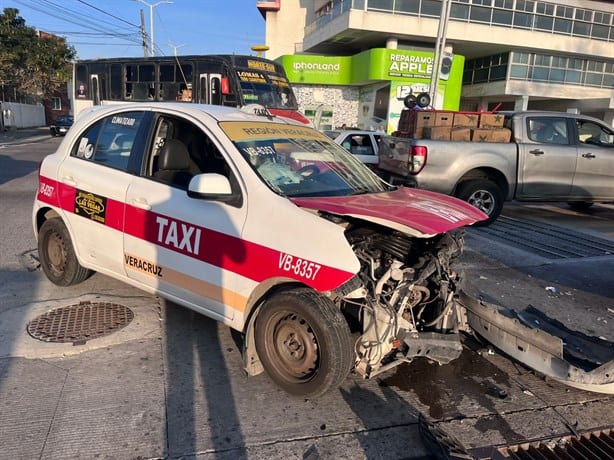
(231,80)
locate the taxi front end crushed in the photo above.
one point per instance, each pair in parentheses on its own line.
(402,302)
(407,302)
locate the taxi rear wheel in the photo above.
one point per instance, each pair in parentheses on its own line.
(57,255)
(303,342)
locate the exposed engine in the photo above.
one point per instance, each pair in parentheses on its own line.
(405,304)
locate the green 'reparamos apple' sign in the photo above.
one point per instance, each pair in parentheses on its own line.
(405,67)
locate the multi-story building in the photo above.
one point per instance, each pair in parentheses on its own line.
(353,61)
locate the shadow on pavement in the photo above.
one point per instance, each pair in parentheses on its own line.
(11,168)
(200,400)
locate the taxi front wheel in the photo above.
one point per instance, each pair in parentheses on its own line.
(57,255)
(303,342)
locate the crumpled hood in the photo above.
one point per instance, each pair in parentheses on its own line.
(417,212)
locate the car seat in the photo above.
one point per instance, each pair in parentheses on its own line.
(174,164)
(545,133)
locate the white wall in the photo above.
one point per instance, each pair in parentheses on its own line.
(342,99)
(16,115)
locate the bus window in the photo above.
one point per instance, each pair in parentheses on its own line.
(216,92)
(203,95)
(81,81)
(116,82)
(167,73)
(168,88)
(131,76)
(95,90)
(147,80)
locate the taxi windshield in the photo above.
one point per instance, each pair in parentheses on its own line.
(297,161)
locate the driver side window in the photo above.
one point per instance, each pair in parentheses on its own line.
(182,150)
(593,134)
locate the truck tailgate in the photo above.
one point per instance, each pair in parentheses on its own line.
(394,155)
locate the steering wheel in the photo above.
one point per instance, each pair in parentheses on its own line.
(308,170)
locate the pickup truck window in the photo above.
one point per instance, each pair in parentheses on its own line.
(592,133)
(548,130)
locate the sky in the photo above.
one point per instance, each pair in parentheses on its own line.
(111,28)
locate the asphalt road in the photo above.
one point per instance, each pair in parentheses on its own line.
(170,384)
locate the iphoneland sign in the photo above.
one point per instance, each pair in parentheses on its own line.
(309,69)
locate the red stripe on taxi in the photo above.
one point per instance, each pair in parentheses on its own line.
(245,258)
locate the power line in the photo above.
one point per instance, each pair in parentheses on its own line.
(108,14)
(80,19)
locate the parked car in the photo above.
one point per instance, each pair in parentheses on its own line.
(272,228)
(363,145)
(61,126)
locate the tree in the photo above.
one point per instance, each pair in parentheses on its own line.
(31,63)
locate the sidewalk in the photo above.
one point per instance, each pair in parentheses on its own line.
(18,136)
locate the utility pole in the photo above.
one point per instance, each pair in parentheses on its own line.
(151,22)
(144,34)
(440,45)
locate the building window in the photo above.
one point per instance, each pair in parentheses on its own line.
(56,103)
(459,12)
(544,23)
(600,32)
(522,5)
(381,4)
(523,20)
(519,72)
(559,69)
(582,28)
(407,6)
(431,8)
(480,14)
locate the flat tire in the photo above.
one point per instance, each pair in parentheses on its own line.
(303,342)
(57,255)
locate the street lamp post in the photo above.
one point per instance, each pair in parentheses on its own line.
(151,21)
(440,45)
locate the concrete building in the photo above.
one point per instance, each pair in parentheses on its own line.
(515,54)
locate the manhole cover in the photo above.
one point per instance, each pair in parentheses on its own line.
(80,323)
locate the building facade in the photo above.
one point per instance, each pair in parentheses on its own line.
(516,54)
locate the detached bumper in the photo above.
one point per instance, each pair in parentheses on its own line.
(544,352)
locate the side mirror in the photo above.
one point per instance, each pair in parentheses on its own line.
(211,186)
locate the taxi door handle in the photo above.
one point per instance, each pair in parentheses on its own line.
(536,152)
(69,180)
(140,203)
(588,155)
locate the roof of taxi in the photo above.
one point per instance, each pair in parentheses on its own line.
(220,113)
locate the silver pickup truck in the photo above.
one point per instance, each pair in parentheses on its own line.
(552,156)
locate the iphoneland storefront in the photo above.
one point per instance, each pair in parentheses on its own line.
(367,90)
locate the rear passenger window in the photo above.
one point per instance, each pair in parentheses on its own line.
(360,144)
(109,142)
(548,130)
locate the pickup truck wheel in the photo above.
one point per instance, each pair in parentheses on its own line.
(57,255)
(484,195)
(303,342)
